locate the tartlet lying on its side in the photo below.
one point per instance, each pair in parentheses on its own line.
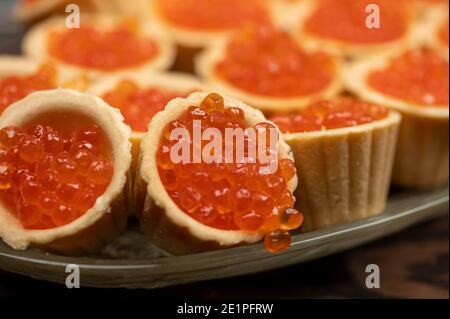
(65,161)
(190,206)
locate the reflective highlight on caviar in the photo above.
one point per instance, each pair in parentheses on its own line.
(266,61)
(108,50)
(137,105)
(14,88)
(345,20)
(419,76)
(49,179)
(230,196)
(216,15)
(328,115)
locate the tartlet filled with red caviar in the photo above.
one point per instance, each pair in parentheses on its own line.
(215,198)
(415,83)
(20,76)
(104,45)
(265,67)
(355,27)
(194,24)
(139,96)
(344,151)
(64,172)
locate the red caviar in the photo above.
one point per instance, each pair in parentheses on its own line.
(419,76)
(443,33)
(138,106)
(229,196)
(266,61)
(107,50)
(49,179)
(213,14)
(328,115)
(14,88)
(345,20)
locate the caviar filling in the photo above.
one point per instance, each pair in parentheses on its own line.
(443,33)
(346,20)
(215,15)
(230,195)
(265,61)
(107,50)
(419,76)
(328,115)
(14,88)
(49,178)
(137,105)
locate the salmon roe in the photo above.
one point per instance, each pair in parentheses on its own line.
(419,76)
(230,196)
(49,179)
(138,106)
(15,88)
(345,20)
(443,33)
(213,14)
(266,61)
(107,50)
(328,115)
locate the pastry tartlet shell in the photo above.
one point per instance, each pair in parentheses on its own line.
(205,65)
(304,9)
(35,44)
(344,174)
(107,218)
(423,146)
(160,218)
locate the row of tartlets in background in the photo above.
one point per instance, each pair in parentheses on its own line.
(347,167)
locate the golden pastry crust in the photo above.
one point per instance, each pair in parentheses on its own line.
(422,153)
(17,66)
(304,9)
(167,225)
(206,64)
(35,44)
(177,82)
(107,218)
(344,174)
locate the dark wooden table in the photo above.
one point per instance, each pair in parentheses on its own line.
(413,264)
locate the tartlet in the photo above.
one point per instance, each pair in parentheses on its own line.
(415,83)
(265,67)
(64,228)
(344,151)
(20,76)
(104,45)
(171,227)
(194,24)
(152,90)
(339,26)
